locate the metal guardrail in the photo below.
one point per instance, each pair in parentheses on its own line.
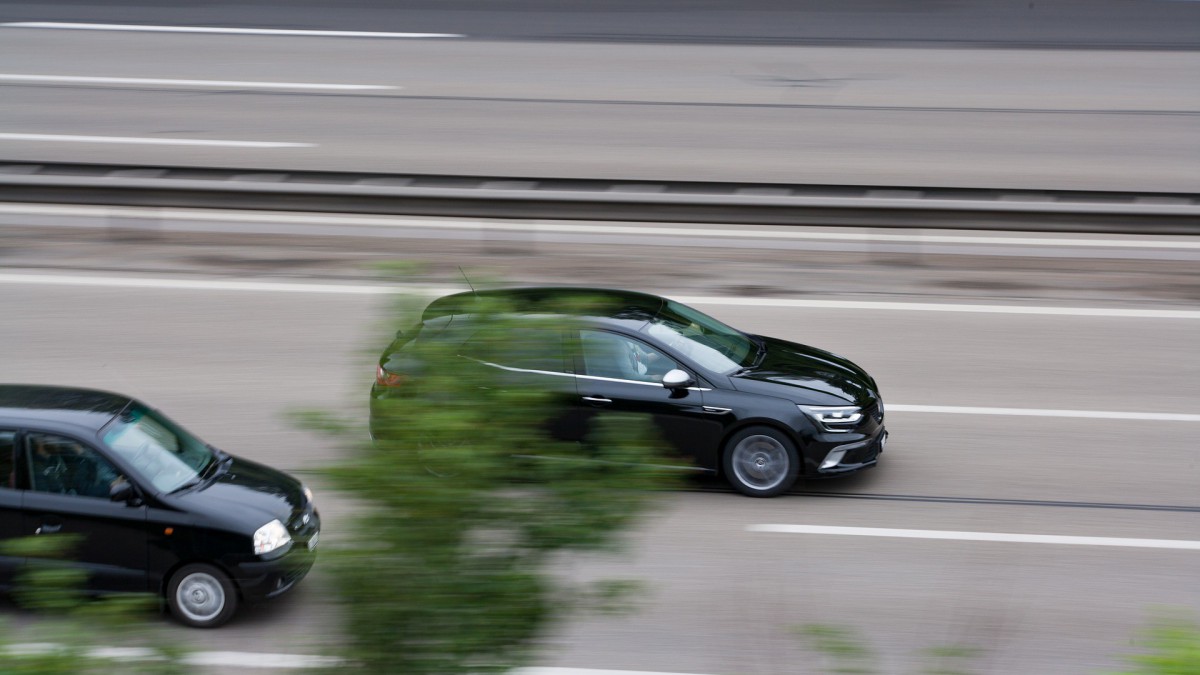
(560,198)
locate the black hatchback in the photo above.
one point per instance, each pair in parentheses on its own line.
(760,411)
(154,509)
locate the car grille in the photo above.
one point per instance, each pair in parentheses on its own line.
(863,454)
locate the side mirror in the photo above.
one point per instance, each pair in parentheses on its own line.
(123,491)
(677,379)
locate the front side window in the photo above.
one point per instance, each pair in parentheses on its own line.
(622,358)
(161,452)
(61,465)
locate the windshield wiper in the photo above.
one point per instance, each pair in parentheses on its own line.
(191,483)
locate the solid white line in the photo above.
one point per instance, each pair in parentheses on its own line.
(938,307)
(1042,412)
(62,138)
(1177,544)
(358,289)
(577,228)
(585,671)
(194,284)
(223,31)
(73,79)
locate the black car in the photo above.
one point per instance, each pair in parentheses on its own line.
(154,508)
(758,410)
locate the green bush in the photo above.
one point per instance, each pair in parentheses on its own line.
(466,501)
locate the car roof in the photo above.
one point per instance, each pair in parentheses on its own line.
(575,301)
(87,408)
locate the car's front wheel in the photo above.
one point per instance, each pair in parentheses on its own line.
(201,596)
(761,462)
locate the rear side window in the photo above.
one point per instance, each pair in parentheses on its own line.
(8,466)
(531,348)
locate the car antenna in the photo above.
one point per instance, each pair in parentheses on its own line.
(468,280)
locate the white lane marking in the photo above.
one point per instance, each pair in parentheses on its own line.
(255,660)
(576,228)
(64,138)
(1039,412)
(195,284)
(221,30)
(361,289)
(79,79)
(585,671)
(223,659)
(1177,544)
(948,307)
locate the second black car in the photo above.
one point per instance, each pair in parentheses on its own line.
(758,410)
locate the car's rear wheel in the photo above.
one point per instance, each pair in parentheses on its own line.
(761,462)
(201,596)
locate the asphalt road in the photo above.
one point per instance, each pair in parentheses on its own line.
(718,598)
(1059,23)
(975,117)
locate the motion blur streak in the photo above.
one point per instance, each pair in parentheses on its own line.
(352,289)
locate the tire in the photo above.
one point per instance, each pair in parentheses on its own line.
(201,596)
(761,462)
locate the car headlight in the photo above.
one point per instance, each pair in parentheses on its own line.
(836,419)
(270,537)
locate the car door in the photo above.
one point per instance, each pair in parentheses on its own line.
(10,505)
(68,484)
(618,373)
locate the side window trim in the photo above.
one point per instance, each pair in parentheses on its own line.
(9,469)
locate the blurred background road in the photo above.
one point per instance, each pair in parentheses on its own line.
(979,115)
(1069,359)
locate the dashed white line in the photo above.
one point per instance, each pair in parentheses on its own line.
(1065,540)
(222,30)
(1046,412)
(218,659)
(133,140)
(151,81)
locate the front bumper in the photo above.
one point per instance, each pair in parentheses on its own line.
(852,457)
(264,579)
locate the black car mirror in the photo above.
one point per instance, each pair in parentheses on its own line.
(677,379)
(123,491)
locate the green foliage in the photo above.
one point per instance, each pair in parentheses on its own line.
(1171,646)
(843,648)
(49,585)
(846,651)
(466,502)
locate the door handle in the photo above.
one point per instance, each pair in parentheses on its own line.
(48,529)
(598,400)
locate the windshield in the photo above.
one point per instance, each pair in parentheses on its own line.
(701,338)
(158,450)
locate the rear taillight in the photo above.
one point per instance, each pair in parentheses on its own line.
(386,378)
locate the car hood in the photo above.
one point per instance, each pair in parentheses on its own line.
(247,494)
(806,375)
